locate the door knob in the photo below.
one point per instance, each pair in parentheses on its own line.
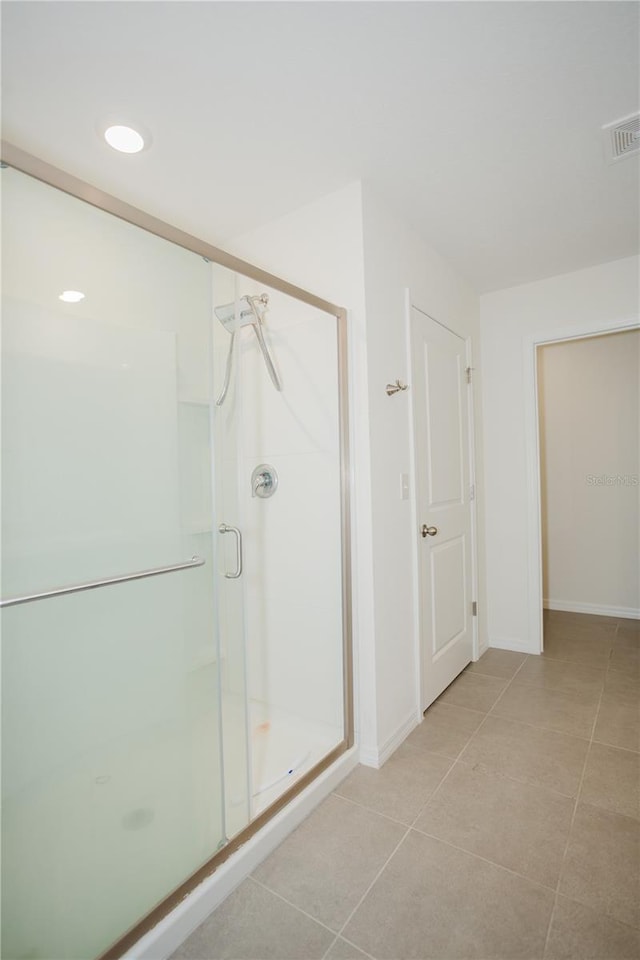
(428,531)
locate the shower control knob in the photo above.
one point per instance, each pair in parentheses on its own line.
(264,481)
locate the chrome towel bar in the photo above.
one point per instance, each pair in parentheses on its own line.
(106,582)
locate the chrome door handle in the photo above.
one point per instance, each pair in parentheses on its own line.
(226,528)
(428,531)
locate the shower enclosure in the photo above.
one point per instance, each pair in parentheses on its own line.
(175,583)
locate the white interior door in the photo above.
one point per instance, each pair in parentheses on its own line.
(443,495)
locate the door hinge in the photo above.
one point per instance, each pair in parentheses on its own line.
(474,608)
(472,492)
(468,373)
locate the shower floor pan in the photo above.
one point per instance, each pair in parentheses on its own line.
(283,747)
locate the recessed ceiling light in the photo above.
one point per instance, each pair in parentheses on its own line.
(71,296)
(124,139)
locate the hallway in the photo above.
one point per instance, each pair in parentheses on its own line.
(506,826)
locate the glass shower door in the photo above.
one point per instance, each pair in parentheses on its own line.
(280,483)
(112,762)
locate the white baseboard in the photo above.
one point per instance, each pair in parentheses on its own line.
(518,646)
(369,757)
(372,757)
(482,649)
(596,609)
(173,930)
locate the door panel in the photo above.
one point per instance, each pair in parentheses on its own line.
(449,592)
(441,439)
(444,455)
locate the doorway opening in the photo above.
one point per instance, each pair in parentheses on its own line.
(588,403)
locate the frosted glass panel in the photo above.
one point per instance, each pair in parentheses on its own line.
(90,447)
(111,775)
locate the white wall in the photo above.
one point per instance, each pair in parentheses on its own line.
(395,259)
(589,403)
(350,248)
(572,304)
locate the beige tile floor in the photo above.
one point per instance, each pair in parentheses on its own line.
(506,826)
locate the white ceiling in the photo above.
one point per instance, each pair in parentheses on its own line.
(479,121)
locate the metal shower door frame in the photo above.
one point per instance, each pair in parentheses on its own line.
(12,156)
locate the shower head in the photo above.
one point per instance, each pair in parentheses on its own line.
(232,319)
(248,312)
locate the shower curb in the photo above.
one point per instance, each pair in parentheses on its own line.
(160,942)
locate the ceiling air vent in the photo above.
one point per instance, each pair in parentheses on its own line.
(622,138)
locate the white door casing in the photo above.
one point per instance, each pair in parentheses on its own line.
(574,331)
(443,502)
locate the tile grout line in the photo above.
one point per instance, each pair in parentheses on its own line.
(614,746)
(393,852)
(523,783)
(592,740)
(331,946)
(584,767)
(378,874)
(354,945)
(459,757)
(573,663)
(339,936)
(289,903)
(490,676)
(606,677)
(608,671)
(411,826)
(363,806)
(415,820)
(454,760)
(492,863)
(535,726)
(540,726)
(575,810)
(487,714)
(567,691)
(419,814)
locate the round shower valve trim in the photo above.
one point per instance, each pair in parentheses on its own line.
(264,481)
